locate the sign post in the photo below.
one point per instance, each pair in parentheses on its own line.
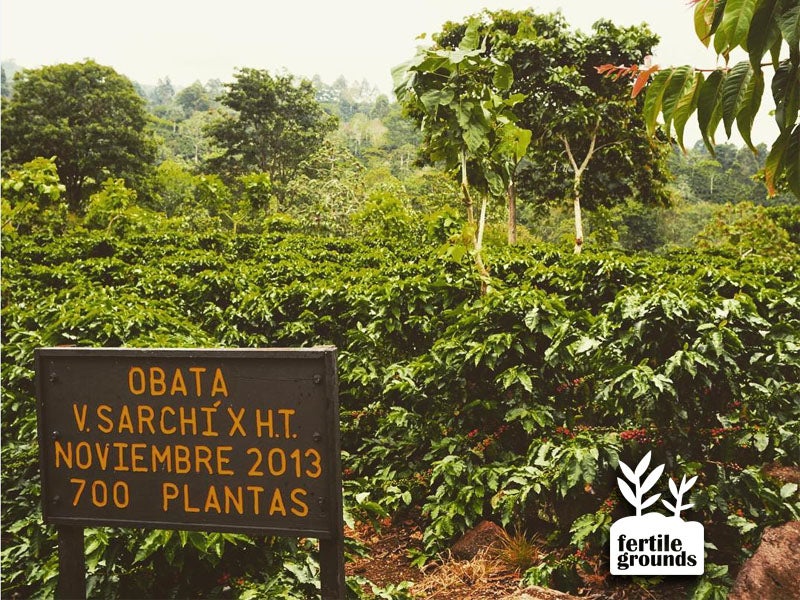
(214,440)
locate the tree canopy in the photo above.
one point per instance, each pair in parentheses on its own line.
(733,94)
(274,124)
(584,134)
(565,98)
(87,116)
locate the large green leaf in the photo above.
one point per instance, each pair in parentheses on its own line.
(709,107)
(495,182)
(784,160)
(736,22)
(515,141)
(789,21)
(679,85)
(474,137)
(652,100)
(734,92)
(775,160)
(786,93)
(720,33)
(750,104)
(703,19)
(433,98)
(764,31)
(685,106)
(471,38)
(503,77)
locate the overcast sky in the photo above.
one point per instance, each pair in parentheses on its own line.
(359,39)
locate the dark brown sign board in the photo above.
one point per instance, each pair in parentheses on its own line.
(231,440)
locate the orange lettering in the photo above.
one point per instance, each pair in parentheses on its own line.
(86,461)
(182,463)
(219,384)
(302,507)
(186,506)
(61,454)
(158,383)
(137,458)
(137,390)
(125,421)
(178,384)
(102,454)
(256,489)
(286,412)
(205,459)
(162,458)
(277,503)
(237,422)
(162,426)
(169,491)
(80,420)
(261,423)
(191,420)
(210,410)
(212,501)
(237,501)
(146,415)
(223,460)
(120,446)
(109,423)
(197,372)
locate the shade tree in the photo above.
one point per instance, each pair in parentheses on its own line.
(462,100)
(585,144)
(88,117)
(271,125)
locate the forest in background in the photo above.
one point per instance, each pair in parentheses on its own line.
(483,375)
(375,151)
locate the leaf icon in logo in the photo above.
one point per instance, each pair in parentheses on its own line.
(678,494)
(634,495)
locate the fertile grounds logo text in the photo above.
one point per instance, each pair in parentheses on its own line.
(652,543)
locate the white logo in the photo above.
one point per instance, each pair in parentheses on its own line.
(654,544)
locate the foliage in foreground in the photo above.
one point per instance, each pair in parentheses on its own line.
(516,405)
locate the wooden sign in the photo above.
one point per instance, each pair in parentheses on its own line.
(214,440)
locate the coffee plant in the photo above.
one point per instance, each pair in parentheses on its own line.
(516,405)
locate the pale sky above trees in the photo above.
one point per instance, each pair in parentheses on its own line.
(359,39)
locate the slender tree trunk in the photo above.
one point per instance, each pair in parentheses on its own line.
(577,171)
(477,238)
(482,270)
(512,213)
(465,190)
(576,204)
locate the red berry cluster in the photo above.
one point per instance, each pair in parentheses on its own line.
(581,555)
(720,431)
(472,433)
(637,435)
(563,387)
(565,432)
(608,505)
(484,444)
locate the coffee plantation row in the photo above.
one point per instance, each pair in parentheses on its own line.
(515,405)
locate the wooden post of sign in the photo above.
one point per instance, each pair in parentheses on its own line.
(331,551)
(331,569)
(71,564)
